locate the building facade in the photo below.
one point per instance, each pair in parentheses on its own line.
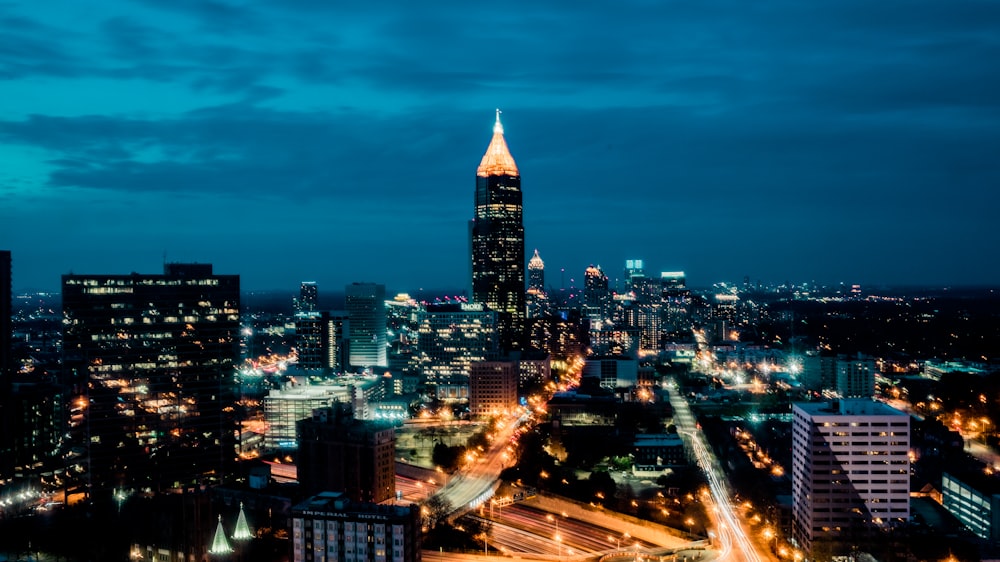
(6,370)
(152,360)
(450,338)
(497,240)
(850,470)
(329,526)
(365,304)
(342,454)
(321,341)
(492,388)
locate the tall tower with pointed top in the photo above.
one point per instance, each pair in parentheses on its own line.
(498,240)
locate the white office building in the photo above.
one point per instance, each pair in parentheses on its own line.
(850,469)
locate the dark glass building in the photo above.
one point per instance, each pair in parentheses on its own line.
(498,240)
(152,359)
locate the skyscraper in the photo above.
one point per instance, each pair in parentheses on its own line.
(308,297)
(850,470)
(366,313)
(537,300)
(498,240)
(153,358)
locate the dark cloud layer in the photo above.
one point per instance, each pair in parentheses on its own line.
(833,141)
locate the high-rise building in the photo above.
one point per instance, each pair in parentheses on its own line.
(339,453)
(366,314)
(329,526)
(492,388)
(152,358)
(452,337)
(596,296)
(497,241)
(536,298)
(321,341)
(308,297)
(850,470)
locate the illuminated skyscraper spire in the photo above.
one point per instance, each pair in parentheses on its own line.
(219,544)
(497,161)
(497,241)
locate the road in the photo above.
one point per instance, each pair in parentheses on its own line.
(730,537)
(474,484)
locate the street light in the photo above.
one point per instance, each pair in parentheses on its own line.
(689,522)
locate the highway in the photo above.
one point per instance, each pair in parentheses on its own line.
(475,483)
(732,541)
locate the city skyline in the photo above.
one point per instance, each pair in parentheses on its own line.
(847,142)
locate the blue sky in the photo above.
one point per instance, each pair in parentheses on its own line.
(848,140)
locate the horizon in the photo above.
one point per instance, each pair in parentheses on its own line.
(848,142)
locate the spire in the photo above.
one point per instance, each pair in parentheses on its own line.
(242,532)
(536,261)
(497,161)
(220,545)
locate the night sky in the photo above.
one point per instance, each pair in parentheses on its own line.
(844,141)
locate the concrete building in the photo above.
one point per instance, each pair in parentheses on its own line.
(284,408)
(329,526)
(342,454)
(492,388)
(850,470)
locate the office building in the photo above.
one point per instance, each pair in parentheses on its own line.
(492,388)
(536,298)
(850,471)
(596,297)
(342,454)
(321,341)
(308,300)
(497,240)
(152,359)
(450,338)
(330,526)
(366,313)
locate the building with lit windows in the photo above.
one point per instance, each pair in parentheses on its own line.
(321,341)
(340,453)
(152,359)
(285,407)
(497,240)
(365,303)
(492,388)
(850,471)
(308,297)
(450,338)
(537,299)
(329,526)
(974,499)
(596,296)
